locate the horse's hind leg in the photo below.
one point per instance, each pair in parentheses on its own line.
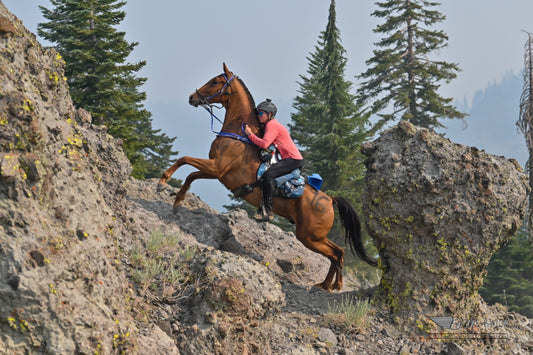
(185,187)
(326,284)
(336,255)
(339,264)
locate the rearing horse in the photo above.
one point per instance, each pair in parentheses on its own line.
(234,163)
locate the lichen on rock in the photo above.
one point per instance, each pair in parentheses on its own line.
(437,212)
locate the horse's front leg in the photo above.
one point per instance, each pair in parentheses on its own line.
(185,187)
(206,166)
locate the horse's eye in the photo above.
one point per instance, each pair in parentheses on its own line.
(214,82)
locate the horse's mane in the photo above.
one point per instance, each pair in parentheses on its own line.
(250,97)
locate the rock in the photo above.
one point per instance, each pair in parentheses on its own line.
(437,212)
(319,344)
(9,165)
(405,350)
(327,336)
(290,262)
(237,286)
(455,349)
(13,281)
(153,340)
(6,26)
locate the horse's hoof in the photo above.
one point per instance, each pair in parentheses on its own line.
(323,287)
(337,287)
(161,186)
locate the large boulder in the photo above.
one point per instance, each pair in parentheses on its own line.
(437,212)
(233,285)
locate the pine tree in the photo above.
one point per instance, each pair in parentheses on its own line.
(525,121)
(102,81)
(329,127)
(401,78)
(327,123)
(509,279)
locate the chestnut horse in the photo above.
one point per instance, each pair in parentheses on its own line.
(235,162)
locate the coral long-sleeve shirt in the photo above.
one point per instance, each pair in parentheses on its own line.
(276,133)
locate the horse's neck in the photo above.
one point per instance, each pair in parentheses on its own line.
(239,110)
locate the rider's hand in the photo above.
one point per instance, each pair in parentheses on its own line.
(247,130)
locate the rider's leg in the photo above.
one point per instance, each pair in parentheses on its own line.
(281,168)
(265,213)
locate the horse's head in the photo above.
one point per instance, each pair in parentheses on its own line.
(214,91)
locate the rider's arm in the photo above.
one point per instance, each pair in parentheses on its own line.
(271,133)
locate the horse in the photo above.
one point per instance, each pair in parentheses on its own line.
(234,162)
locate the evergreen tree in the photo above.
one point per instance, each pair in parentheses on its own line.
(329,128)
(509,279)
(102,81)
(401,77)
(327,123)
(525,120)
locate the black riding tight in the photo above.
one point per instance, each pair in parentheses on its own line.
(282,167)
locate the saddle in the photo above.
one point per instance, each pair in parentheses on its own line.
(290,185)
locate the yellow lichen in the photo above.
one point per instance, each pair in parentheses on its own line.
(27,105)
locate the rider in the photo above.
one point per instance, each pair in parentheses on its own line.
(291,158)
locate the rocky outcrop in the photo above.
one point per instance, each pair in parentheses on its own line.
(437,212)
(62,184)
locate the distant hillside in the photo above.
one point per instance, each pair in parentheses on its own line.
(491,124)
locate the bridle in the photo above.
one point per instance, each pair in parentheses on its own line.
(204,102)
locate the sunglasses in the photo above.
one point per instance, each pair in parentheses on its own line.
(261,113)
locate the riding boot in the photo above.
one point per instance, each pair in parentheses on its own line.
(265,213)
(267,201)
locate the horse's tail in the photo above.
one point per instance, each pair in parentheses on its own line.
(352,226)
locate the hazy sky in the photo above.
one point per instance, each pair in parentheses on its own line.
(267,44)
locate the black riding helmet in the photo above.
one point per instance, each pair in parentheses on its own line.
(268,106)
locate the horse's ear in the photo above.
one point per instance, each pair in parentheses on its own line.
(226,70)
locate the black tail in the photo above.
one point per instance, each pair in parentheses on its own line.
(352,226)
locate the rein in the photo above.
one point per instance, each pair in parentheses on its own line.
(209,108)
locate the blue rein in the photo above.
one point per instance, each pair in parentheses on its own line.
(209,108)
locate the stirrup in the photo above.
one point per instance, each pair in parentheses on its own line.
(259,217)
(262,216)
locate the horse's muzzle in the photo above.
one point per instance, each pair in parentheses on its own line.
(196,99)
